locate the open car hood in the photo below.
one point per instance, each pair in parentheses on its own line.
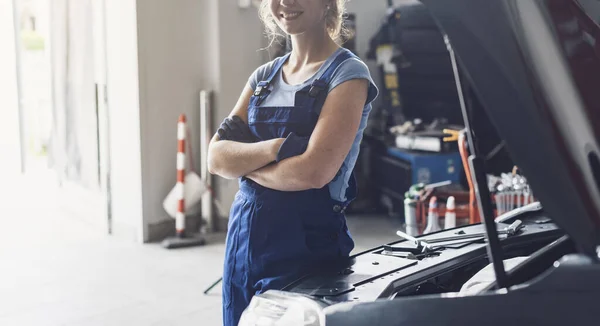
(535,67)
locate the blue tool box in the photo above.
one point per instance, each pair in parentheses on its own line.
(428,167)
(394,170)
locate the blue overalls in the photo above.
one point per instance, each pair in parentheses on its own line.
(275,237)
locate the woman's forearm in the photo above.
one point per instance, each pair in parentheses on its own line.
(293,174)
(231,160)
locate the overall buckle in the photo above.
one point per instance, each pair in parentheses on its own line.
(261,92)
(317,87)
(261,88)
(337,208)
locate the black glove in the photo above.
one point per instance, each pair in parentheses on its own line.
(293,145)
(235,129)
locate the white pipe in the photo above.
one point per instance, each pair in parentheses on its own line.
(205,136)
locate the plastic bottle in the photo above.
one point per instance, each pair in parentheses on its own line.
(450,217)
(410,216)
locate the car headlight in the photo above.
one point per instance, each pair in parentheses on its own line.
(278,308)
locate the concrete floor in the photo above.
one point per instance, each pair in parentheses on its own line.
(56,270)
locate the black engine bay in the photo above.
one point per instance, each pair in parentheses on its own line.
(451,258)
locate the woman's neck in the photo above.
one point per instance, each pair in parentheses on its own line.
(311,47)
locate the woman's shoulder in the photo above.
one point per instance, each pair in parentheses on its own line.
(352,67)
(352,64)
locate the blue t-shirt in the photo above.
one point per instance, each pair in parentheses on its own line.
(283,94)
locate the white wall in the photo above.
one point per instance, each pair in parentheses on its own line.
(10,152)
(124,118)
(160,55)
(197,45)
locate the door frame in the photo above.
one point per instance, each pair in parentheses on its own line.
(93,204)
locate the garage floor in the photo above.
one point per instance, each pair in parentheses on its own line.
(55,270)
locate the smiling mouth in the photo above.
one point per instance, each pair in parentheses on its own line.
(290,15)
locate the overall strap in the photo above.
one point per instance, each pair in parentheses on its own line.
(316,93)
(262,89)
(322,82)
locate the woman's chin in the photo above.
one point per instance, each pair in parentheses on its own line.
(294,31)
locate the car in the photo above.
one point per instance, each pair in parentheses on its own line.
(534,65)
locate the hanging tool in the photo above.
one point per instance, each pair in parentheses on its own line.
(452,135)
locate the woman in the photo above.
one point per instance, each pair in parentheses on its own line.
(292,140)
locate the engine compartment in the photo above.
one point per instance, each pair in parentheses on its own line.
(390,271)
(532,261)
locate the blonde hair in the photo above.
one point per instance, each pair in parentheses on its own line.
(334,21)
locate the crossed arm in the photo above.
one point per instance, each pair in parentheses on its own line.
(328,146)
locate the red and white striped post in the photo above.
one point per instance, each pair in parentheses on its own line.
(180,214)
(181,239)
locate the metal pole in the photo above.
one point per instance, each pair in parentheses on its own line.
(205,136)
(213,285)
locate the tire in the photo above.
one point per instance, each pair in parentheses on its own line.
(426,65)
(436,87)
(421,41)
(430,109)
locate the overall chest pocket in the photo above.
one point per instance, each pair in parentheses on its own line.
(278,122)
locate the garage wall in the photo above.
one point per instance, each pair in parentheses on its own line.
(160,54)
(197,45)
(172,38)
